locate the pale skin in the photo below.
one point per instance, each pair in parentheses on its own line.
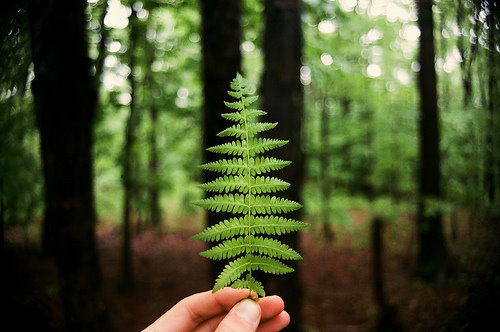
(227,310)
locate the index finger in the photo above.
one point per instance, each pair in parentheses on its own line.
(193,310)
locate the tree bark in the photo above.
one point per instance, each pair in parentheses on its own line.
(129,185)
(153,184)
(492,166)
(65,105)
(325,181)
(283,99)
(221,60)
(432,257)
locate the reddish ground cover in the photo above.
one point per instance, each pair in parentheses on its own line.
(336,278)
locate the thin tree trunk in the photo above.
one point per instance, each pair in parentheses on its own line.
(432,256)
(325,183)
(65,105)
(154,213)
(465,68)
(221,39)
(154,189)
(492,167)
(283,99)
(388,319)
(129,185)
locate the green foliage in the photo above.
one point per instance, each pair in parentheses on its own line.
(244,194)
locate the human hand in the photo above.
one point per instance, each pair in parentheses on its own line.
(224,311)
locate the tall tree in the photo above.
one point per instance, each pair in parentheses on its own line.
(221,60)
(65,105)
(129,183)
(432,257)
(492,167)
(153,164)
(283,99)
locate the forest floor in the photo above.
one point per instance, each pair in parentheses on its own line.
(336,277)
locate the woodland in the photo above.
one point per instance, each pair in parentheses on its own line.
(391,114)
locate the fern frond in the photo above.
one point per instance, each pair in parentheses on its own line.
(274,225)
(250,129)
(271,225)
(250,244)
(261,145)
(262,184)
(227,184)
(247,114)
(233,270)
(228,166)
(236,116)
(252,114)
(231,148)
(237,105)
(226,203)
(242,190)
(223,230)
(272,204)
(266,164)
(250,283)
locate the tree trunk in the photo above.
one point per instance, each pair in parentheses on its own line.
(492,167)
(154,189)
(325,182)
(65,105)
(221,38)
(432,257)
(129,185)
(283,99)
(387,315)
(153,166)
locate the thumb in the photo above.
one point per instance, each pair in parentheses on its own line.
(243,317)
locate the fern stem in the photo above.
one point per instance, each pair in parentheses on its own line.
(249,213)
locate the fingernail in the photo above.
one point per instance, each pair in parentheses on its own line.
(248,310)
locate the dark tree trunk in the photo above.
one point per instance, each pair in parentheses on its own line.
(492,167)
(2,220)
(467,56)
(325,183)
(221,39)
(153,166)
(154,189)
(345,148)
(65,105)
(387,315)
(432,257)
(283,99)
(129,185)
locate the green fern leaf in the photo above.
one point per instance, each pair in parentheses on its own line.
(272,204)
(264,144)
(223,230)
(231,148)
(231,166)
(262,184)
(251,129)
(271,225)
(227,184)
(249,262)
(250,283)
(250,244)
(245,239)
(225,203)
(274,225)
(264,164)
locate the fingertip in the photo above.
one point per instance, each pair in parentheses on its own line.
(277,323)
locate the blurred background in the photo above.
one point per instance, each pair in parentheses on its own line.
(392,112)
